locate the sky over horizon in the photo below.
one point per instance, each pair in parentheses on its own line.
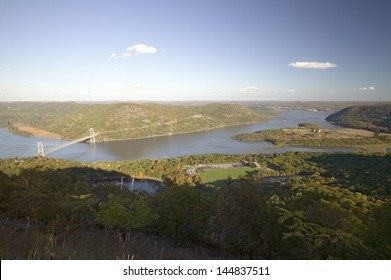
(219,50)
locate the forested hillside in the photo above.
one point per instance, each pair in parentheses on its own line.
(125,120)
(372,117)
(326,206)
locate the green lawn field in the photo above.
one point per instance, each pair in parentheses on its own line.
(212,175)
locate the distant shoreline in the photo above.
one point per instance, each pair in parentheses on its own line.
(339,138)
(37,132)
(179,133)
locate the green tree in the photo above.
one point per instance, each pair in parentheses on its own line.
(380,237)
(123,213)
(243,222)
(182,212)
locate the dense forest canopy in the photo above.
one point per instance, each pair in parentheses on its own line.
(372,117)
(312,206)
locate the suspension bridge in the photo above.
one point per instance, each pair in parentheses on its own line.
(41,151)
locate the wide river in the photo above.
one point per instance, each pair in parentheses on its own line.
(212,141)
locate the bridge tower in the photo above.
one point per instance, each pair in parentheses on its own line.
(41,149)
(92,135)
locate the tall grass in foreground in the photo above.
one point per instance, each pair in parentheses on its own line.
(21,240)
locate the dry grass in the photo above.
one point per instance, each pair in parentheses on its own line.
(37,132)
(335,133)
(297,131)
(20,240)
(350,133)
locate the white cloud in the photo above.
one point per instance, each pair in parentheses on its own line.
(312,65)
(141,49)
(133,51)
(250,89)
(365,88)
(291,90)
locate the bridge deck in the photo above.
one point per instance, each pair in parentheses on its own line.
(61,146)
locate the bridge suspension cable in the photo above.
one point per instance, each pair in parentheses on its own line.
(87,136)
(41,151)
(29,152)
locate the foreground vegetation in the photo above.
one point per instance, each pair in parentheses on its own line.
(334,206)
(124,120)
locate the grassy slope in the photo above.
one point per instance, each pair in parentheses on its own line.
(126,120)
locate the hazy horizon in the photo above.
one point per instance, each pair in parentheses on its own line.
(197,101)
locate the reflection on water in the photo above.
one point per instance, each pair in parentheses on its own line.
(213,141)
(148,186)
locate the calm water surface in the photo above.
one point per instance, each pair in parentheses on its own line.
(214,141)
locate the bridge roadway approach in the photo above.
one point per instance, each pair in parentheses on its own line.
(91,137)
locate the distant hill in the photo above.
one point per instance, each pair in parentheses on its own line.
(126,120)
(372,117)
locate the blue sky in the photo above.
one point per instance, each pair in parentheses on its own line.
(195,50)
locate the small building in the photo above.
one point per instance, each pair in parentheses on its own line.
(253,164)
(190,170)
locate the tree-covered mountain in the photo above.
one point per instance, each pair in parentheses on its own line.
(37,114)
(126,120)
(372,117)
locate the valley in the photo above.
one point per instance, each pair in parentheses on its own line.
(212,197)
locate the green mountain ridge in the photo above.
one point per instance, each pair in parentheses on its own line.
(127,120)
(372,117)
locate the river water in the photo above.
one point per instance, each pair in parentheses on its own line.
(213,141)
